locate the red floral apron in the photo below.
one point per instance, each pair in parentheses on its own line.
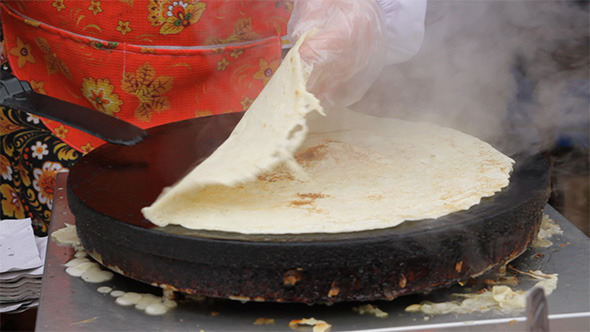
(146,62)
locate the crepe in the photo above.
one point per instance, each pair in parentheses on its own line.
(361,172)
(375,174)
(268,134)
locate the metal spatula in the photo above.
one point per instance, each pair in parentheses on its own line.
(18,94)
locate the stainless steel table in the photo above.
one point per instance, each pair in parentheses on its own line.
(70,304)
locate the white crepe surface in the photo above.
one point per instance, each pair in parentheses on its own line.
(374,174)
(361,172)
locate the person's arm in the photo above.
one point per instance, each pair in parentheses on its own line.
(404,25)
(353,40)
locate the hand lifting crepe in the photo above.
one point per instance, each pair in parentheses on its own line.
(362,172)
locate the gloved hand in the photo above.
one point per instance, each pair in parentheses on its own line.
(347,51)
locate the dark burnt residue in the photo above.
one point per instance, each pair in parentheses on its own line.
(313,154)
(306,198)
(292,277)
(274,177)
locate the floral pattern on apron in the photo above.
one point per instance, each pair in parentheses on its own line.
(146,62)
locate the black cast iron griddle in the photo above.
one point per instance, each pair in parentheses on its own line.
(108,187)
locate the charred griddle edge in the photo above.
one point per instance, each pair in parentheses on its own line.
(324,268)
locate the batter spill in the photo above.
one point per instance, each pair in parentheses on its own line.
(91,272)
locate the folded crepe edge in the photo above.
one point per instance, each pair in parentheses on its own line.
(154,213)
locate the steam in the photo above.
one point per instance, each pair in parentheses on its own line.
(498,70)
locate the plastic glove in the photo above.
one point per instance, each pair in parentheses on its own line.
(347,51)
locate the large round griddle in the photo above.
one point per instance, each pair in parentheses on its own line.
(108,187)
